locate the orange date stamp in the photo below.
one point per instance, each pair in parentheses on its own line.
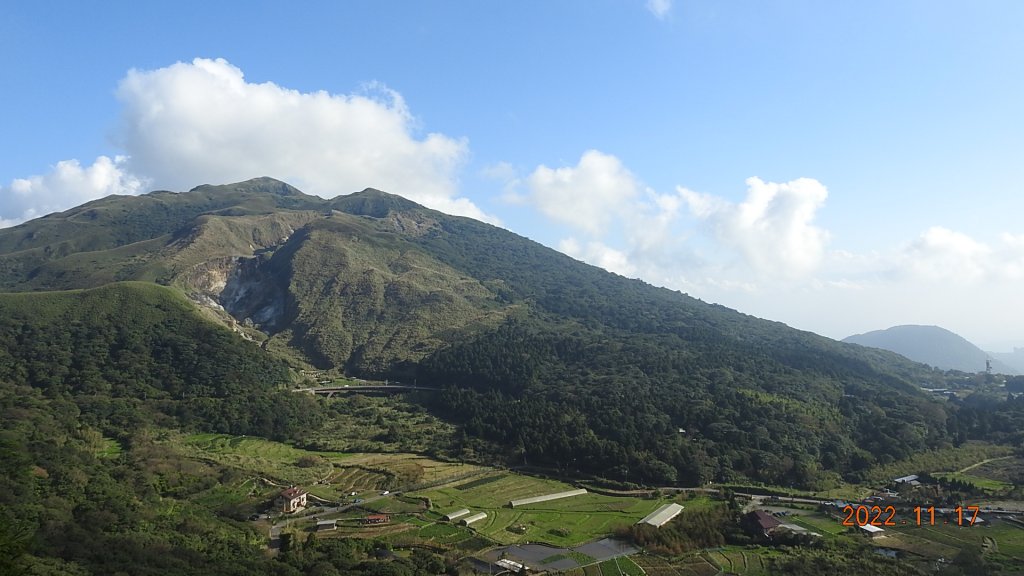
(861,515)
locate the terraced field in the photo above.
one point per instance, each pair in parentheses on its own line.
(328,475)
(692,566)
(733,560)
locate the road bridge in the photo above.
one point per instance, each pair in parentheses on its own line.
(330,391)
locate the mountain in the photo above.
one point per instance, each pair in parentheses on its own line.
(931,345)
(544,360)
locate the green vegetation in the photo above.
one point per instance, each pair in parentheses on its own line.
(357,423)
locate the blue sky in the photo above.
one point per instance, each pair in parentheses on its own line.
(838,166)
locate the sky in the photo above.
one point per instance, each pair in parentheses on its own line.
(837,166)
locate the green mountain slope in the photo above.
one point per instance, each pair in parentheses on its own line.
(546,360)
(132,351)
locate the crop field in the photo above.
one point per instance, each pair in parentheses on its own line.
(620,567)
(998,538)
(565,522)
(691,566)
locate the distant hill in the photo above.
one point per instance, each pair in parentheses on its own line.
(1015,359)
(931,345)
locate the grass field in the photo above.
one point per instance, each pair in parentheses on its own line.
(989,485)
(820,523)
(566,522)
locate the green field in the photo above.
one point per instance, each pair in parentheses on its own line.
(820,523)
(565,522)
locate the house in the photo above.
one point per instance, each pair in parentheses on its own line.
(376,519)
(761,523)
(291,500)
(906,479)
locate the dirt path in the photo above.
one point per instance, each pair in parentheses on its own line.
(983,462)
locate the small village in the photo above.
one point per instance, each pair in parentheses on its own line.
(883,517)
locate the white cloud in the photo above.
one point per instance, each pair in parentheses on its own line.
(599,254)
(66,185)
(660,8)
(773,228)
(943,254)
(202,122)
(588,196)
(951,256)
(511,183)
(631,230)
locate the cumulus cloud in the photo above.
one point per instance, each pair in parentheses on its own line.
(627,228)
(660,8)
(943,254)
(203,122)
(773,228)
(599,254)
(67,184)
(587,196)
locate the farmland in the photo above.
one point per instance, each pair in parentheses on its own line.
(563,522)
(261,466)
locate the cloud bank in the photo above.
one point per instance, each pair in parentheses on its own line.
(67,184)
(203,123)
